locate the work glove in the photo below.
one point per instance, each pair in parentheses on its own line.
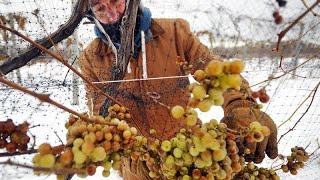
(240,113)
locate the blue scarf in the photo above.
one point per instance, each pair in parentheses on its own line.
(143,24)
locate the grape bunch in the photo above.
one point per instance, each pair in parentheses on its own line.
(256,132)
(216,78)
(90,145)
(205,151)
(251,171)
(14,137)
(261,95)
(120,112)
(295,161)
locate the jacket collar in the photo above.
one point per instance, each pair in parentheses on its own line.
(156,31)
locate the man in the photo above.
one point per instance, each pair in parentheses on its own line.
(169,42)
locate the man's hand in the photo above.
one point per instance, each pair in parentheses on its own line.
(241,113)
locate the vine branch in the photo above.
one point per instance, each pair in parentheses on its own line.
(314,92)
(284,32)
(46,98)
(54,170)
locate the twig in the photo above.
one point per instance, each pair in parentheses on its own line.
(30,151)
(54,170)
(55,132)
(60,59)
(307,6)
(65,77)
(38,125)
(46,98)
(300,105)
(299,120)
(283,33)
(285,73)
(316,148)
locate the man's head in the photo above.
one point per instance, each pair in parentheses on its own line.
(108,11)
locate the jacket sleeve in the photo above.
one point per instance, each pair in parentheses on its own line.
(94,98)
(197,54)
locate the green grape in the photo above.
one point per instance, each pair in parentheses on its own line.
(106,173)
(200,147)
(98,154)
(87,147)
(182,144)
(177,152)
(224,82)
(219,154)
(177,112)
(215,93)
(219,101)
(199,92)
(205,105)
(127,134)
(47,161)
(166,145)
(169,160)
(255,126)
(187,159)
(107,165)
(78,142)
(186,177)
(234,81)
(193,151)
(213,133)
(199,163)
(221,174)
(265,131)
(152,174)
(79,157)
(206,140)
(91,137)
(199,75)
(191,120)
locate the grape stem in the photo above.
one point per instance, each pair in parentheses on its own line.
(54,170)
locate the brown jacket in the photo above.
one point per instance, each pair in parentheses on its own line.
(172,41)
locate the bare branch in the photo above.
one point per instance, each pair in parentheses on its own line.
(313,93)
(30,151)
(54,170)
(284,32)
(47,99)
(66,30)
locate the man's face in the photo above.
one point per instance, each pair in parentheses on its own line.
(108,11)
